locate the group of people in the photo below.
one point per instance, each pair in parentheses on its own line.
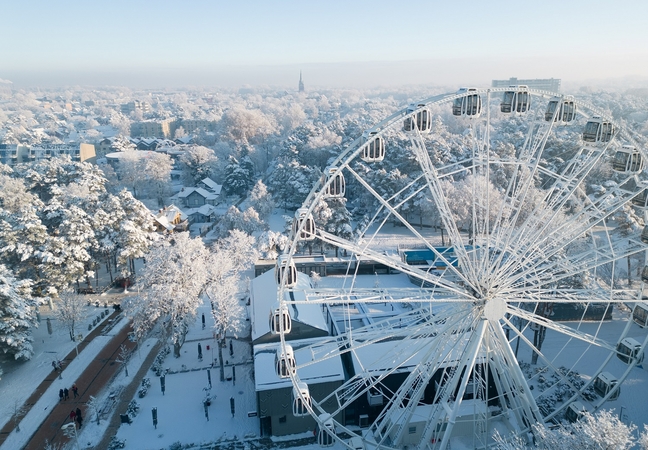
(76,415)
(64,394)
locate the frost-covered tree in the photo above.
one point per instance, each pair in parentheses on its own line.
(603,430)
(271,243)
(158,172)
(70,311)
(229,258)
(17,315)
(339,221)
(171,282)
(239,176)
(135,233)
(197,163)
(245,125)
(261,200)
(130,170)
(247,221)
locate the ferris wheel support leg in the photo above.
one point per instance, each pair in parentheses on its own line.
(516,374)
(468,361)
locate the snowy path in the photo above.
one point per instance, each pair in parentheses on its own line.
(41,410)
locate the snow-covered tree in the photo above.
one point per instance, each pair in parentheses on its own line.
(17,315)
(261,200)
(239,176)
(230,256)
(135,233)
(197,163)
(70,311)
(171,282)
(158,171)
(271,243)
(603,430)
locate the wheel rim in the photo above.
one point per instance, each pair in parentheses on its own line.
(533,242)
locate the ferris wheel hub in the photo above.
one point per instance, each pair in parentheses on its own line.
(494,309)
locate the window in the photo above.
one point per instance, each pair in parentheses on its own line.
(282,419)
(412,430)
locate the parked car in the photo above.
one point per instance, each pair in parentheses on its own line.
(85,290)
(123,282)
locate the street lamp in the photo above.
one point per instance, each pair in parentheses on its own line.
(71,427)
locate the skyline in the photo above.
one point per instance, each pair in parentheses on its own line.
(353,44)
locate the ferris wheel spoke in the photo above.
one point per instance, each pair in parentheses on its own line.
(559,328)
(549,269)
(548,363)
(441,354)
(513,390)
(457,383)
(458,273)
(441,203)
(444,283)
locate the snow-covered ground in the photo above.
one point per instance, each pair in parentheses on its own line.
(20,379)
(41,409)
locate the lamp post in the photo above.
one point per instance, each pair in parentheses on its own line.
(71,427)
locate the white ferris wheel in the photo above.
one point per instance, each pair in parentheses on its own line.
(525,312)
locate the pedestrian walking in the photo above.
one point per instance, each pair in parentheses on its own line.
(75,390)
(79,418)
(60,395)
(66,393)
(54,366)
(72,415)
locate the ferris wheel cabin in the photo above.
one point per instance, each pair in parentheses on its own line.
(640,312)
(605,383)
(517,99)
(641,201)
(644,235)
(561,110)
(628,159)
(421,121)
(285,362)
(374,151)
(629,349)
(301,400)
(280,320)
(326,431)
(304,225)
(598,130)
(286,272)
(469,105)
(575,412)
(335,184)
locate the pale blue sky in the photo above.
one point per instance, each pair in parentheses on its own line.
(380,42)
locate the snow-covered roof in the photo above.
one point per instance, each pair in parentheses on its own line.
(324,371)
(166,216)
(263,297)
(405,354)
(203,192)
(205,210)
(211,184)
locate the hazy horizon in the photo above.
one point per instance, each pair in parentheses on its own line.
(360,44)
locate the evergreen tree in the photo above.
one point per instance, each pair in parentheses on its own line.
(17,315)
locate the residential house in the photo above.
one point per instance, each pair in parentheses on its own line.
(195,197)
(211,186)
(171,219)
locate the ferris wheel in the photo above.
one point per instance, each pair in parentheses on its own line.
(520,303)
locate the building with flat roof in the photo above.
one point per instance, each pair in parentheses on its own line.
(543,84)
(77,152)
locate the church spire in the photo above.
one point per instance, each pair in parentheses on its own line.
(301,82)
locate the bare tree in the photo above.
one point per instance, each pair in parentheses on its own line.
(70,311)
(123,357)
